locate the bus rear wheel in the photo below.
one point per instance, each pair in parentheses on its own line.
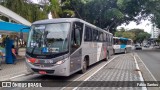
(84,66)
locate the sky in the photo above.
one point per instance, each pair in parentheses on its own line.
(145,24)
(49,15)
(35,1)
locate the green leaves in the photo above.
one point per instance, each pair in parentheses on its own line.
(68,13)
(137,35)
(102,13)
(62,9)
(114,13)
(55,8)
(31,12)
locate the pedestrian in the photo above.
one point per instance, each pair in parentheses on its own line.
(1,55)
(14,55)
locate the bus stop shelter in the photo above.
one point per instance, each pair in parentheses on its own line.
(13,27)
(6,28)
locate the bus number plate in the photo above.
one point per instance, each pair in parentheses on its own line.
(42,72)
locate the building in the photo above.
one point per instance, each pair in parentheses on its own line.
(155,32)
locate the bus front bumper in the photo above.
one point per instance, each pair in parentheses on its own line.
(57,70)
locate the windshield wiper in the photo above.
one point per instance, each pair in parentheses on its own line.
(33,49)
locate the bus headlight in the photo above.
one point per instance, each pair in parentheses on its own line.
(31,60)
(59,62)
(28,60)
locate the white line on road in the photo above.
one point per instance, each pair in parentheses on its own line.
(95,72)
(17,76)
(140,74)
(24,74)
(146,68)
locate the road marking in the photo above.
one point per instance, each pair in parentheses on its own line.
(95,72)
(17,76)
(147,68)
(140,74)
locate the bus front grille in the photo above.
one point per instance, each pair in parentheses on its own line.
(44,65)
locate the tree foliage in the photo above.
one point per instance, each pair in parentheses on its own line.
(30,11)
(137,35)
(103,13)
(112,13)
(59,9)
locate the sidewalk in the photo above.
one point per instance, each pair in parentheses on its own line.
(10,70)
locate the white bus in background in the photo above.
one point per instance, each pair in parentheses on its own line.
(122,45)
(66,45)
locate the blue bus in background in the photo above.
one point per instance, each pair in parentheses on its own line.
(122,45)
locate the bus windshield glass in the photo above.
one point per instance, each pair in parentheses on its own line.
(48,38)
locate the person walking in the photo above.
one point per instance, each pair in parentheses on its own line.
(1,55)
(14,55)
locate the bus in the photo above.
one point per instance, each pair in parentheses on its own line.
(122,45)
(65,46)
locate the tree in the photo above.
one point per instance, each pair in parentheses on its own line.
(112,13)
(137,35)
(31,12)
(103,13)
(126,34)
(55,8)
(130,35)
(59,9)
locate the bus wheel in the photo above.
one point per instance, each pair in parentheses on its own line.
(84,66)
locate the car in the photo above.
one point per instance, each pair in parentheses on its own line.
(147,46)
(138,47)
(156,46)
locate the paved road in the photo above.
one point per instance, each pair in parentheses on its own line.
(151,58)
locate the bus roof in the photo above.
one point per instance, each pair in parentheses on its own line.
(56,20)
(61,20)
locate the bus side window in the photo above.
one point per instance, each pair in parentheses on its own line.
(95,35)
(104,37)
(101,36)
(76,36)
(112,40)
(107,38)
(88,34)
(117,42)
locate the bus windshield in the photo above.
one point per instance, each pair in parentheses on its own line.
(48,38)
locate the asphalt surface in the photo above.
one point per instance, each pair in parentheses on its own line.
(151,58)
